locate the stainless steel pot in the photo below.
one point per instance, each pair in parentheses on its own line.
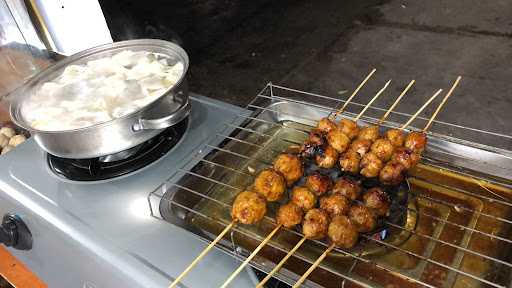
(118,134)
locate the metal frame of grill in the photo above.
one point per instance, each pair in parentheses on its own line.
(488,166)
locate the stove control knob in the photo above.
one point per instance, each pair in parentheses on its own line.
(14,233)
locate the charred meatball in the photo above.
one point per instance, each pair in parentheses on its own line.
(406,157)
(416,141)
(370,165)
(326,125)
(290,166)
(361,146)
(326,157)
(315,224)
(289,215)
(335,204)
(319,183)
(378,200)
(270,184)
(302,197)
(349,162)
(370,133)
(342,232)
(347,188)
(338,140)
(392,173)
(349,128)
(395,136)
(383,149)
(363,218)
(249,207)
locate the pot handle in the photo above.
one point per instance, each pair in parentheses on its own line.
(164,122)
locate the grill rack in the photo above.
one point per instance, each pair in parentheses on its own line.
(272,93)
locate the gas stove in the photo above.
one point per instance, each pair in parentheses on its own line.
(99,232)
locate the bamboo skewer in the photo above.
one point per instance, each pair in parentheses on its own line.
(281,263)
(353,95)
(371,101)
(442,103)
(253,254)
(313,267)
(201,255)
(383,118)
(420,110)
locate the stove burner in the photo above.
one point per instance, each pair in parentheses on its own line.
(121,163)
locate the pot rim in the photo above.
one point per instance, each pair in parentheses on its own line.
(20,93)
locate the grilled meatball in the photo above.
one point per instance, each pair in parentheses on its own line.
(290,166)
(335,204)
(317,137)
(342,232)
(289,215)
(270,184)
(326,157)
(405,157)
(369,133)
(392,173)
(363,218)
(318,183)
(347,188)
(361,146)
(383,149)
(315,224)
(378,200)
(302,197)
(349,162)
(416,141)
(338,140)
(349,128)
(395,136)
(370,165)
(326,125)
(249,207)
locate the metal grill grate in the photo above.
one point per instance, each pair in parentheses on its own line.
(455,229)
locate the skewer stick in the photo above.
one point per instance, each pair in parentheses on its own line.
(381,120)
(442,103)
(353,94)
(281,263)
(371,101)
(420,110)
(203,253)
(313,267)
(253,254)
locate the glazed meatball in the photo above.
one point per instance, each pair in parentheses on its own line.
(335,204)
(361,146)
(406,157)
(349,162)
(383,149)
(316,137)
(338,140)
(416,141)
(289,215)
(363,218)
(326,125)
(290,166)
(347,188)
(249,207)
(378,200)
(349,128)
(326,157)
(370,165)
(270,184)
(342,232)
(395,136)
(370,133)
(302,197)
(319,183)
(392,173)
(315,224)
